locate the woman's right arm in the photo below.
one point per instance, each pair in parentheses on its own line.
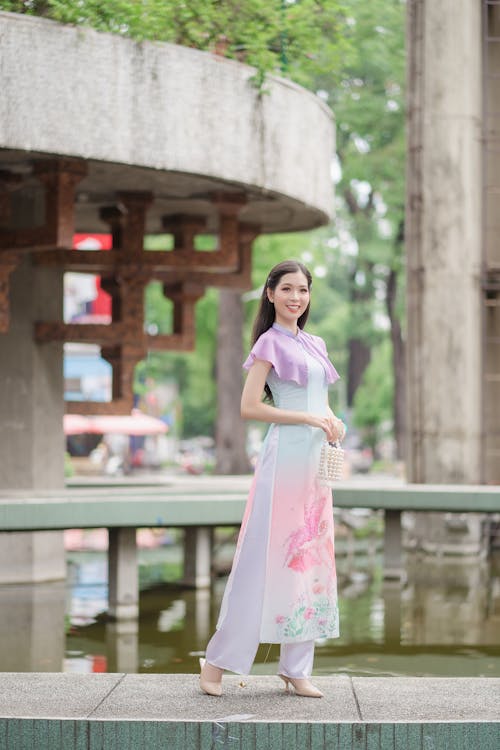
(252,406)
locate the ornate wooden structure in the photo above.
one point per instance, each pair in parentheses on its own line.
(125,270)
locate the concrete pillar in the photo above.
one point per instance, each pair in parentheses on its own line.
(393,564)
(391,594)
(32,637)
(444,249)
(122,646)
(198,606)
(492,248)
(198,546)
(123,574)
(443,241)
(31,412)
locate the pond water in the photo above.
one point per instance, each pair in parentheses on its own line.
(444,620)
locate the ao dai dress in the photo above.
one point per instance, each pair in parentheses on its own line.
(283,580)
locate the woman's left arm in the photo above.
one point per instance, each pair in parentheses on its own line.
(337,423)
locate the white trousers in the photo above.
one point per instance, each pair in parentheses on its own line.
(236,652)
(234,645)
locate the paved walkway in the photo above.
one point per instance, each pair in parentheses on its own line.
(257,698)
(66,711)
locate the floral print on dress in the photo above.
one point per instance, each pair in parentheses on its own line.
(314,613)
(306,622)
(311,544)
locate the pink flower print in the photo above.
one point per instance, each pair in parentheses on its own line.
(303,560)
(308,613)
(297,563)
(318,588)
(280,619)
(312,528)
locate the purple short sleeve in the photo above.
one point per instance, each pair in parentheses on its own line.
(265,349)
(281,351)
(287,357)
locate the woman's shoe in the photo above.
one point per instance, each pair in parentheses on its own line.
(301,686)
(210,687)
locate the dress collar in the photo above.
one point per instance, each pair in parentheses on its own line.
(286,331)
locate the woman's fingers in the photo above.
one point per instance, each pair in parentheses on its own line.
(333,427)
(330,429)
(338,429)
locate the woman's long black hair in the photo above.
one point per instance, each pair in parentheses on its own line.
(266,313)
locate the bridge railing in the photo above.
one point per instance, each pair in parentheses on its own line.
(199,508)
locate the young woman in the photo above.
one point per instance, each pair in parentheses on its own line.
(282,586)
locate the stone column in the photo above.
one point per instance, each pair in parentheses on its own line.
(444,247)
(31,413)
(123,574)
(443,241)
(198,549)
(393,563)
(32,637)
(492,248)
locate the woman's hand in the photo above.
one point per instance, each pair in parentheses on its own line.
(340,428)
(328,424)
(333,427)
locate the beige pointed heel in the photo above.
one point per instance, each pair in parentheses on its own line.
(209,686)
(302,687)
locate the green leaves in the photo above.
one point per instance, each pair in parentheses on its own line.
(299,39)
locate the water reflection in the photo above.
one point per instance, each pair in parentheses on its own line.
(444,620)
(450,601)
(32,622)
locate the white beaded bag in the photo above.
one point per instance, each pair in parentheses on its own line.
(331,463)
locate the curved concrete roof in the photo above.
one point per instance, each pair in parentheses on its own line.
(160,117)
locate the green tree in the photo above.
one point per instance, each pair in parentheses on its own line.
(272,35)
(373,399)
(369,110)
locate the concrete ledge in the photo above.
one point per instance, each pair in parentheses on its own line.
(91,712)
(206,506)
(188,122)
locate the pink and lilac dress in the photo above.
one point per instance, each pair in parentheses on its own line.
(283,581)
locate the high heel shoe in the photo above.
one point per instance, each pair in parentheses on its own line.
(209,687)
(301,687)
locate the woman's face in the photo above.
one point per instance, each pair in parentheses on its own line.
(290,298)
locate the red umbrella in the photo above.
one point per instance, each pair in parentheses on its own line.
(76,424)
(136,423)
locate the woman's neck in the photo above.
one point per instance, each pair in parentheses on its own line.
(292,328)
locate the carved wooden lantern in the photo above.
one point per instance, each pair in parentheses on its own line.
(125,270)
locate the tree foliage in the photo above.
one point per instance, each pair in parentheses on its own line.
(272,35)
(373,399)
(370,116)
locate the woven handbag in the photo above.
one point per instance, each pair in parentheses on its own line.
(331,463)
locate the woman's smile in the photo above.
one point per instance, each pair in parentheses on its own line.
(290,299)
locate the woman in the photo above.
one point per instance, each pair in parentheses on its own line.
(282,586)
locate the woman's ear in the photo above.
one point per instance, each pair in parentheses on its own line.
(270,295)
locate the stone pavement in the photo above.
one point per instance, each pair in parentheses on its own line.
(66,711)
(178,698)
